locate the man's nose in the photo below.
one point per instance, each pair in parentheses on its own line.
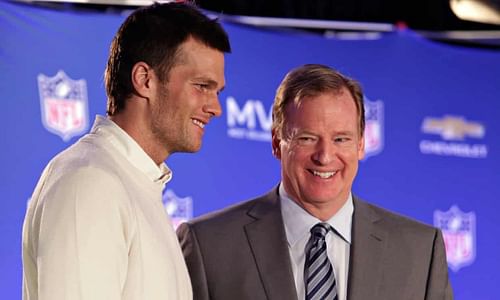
(324,152)
(213,106)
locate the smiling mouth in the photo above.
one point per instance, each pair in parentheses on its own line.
(198,123)
(324,175)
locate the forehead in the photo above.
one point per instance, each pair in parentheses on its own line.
(195,59)
(194,51)
(323,104)
(325,112)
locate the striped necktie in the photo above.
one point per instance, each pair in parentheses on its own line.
(318,271)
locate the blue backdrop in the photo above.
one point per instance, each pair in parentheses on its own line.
(432,111)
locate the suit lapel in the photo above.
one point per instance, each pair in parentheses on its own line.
(267,239)
(369,241)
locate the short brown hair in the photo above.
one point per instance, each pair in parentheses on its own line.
(153,35)
(311,80)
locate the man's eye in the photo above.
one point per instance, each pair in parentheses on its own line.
(305,139)
(202,86)
(341,139)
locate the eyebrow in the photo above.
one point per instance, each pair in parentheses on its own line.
(305,132)
(348,132)
(309,132)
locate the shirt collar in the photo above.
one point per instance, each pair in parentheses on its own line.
(299,222)
(129,148)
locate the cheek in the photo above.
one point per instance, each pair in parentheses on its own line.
(289,153)
(295,158)
(352,152)
(196,96)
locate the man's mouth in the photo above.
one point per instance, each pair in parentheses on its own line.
(324,175)
(198,123)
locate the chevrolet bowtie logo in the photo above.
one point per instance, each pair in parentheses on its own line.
(453,127)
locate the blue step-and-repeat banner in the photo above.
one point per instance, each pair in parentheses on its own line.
(433,127)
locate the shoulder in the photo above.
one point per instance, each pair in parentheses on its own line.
(88,159)
(239,213)
(89,151)
(231,213)
(80,174)
(389,220)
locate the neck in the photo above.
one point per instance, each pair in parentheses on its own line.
(136,125)
(322,211)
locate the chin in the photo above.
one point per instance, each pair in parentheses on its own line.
(324,198)
(190,150)
(193,148)
(187,148)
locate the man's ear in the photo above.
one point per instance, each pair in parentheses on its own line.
(142,75)
(276,139)
(361,148)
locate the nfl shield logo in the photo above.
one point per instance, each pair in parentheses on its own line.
(63,104)
(374,128)
(179,209)
(459,233)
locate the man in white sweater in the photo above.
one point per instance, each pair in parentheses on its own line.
(95,227)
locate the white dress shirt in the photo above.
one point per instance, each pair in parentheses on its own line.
(96,227)
(298,224)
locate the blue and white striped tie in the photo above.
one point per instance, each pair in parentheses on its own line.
(318,272)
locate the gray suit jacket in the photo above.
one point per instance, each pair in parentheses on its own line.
(241,253)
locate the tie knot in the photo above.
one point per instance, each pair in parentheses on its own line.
(320,230)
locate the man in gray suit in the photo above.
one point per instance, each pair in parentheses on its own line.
(310,237)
